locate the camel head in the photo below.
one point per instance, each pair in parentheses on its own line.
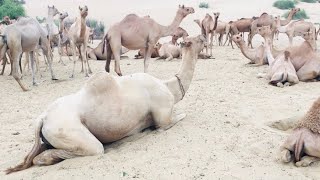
(157,46)
(196,44)
(216,15)
(237,38)
(308,36)
(83,11)
(264,31)
(294,10)
(180,32)
(184,11)
(53,11)
(62,16)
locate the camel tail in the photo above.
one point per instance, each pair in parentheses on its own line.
(298,149)
(105,43)
(27,162)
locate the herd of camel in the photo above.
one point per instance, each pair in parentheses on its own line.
(108,108)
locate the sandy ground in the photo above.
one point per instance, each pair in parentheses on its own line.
(223,136)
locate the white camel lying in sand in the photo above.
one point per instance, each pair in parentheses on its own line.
(109,108)
(169,51)
(303,145)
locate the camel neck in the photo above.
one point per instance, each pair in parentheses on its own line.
(169,30)
(245,50)
(179,84)
(61,25)
(287,20)
(270,57)
(82,26)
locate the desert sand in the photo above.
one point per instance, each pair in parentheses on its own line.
(224,135)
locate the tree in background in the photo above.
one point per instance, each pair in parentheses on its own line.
(11,8)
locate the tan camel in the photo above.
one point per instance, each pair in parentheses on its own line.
(222,29)
(297,28)
(24,36)
(142,36)
(91,36)
(209,25)
(169,51)
(303,145)
(267,20)
(109,108)
(96,53)
(266,33)
(281,70)
(179,33)
(256,56)
(79,36)
(240,26)
(53,30)
(64,38)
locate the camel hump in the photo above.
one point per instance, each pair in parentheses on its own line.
(263,14)
(286,55)
(101,82)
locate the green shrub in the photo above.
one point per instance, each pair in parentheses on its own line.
(309,1)
(204,5)
(284,4)
(11,9)
(299,15)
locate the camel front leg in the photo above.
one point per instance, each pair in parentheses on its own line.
(15,70)
(84,59)
(147,57)
(306,161)
(32,68)
(60,50)
(74,51)
(4,64)
(211,43)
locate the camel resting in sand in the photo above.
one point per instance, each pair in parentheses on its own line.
(96,53)
(109,108)
(281,71)
(169,51)
(303,145)
(142,36)
(256,56)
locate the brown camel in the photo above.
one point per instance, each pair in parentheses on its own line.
(78,124)
(208,26)
(79,36)
(141,36)
(303,145)
(222,29)
(240,26)
(267,20)
(64,38)
(256,56)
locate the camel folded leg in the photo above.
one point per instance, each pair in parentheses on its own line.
(306,161)
(74,142)
(308,71)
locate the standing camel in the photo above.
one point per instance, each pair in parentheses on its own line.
(64,38)
(79,36)
(208,26)
(25,36)
(145,34)
(267,20)
(52,29)
(109,108)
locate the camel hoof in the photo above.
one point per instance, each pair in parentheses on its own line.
(287,84)
(279,84)
(286,156)
(72,76)
(87,75)
(35,84)
(119,74)
(302,163)
(90,72)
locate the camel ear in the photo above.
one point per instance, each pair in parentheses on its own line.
(240,34)
(80,8)
(182,6)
